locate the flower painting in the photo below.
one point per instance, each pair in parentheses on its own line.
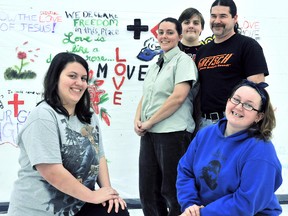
(25,57)
(98,96)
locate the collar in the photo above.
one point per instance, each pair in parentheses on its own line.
(171,53)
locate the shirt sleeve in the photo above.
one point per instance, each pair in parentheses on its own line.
(254,59)
(41,142)
(186,70)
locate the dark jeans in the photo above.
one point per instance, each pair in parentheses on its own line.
(90,209)
(158,160)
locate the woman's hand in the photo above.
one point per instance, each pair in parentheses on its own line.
(117,202)
(138,128)
(147,125)
(104,194)
(193,210)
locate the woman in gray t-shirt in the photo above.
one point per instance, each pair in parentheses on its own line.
(61,151)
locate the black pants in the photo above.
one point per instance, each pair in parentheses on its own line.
(90,209)
(158,160)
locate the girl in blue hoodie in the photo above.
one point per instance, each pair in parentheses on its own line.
(231,168)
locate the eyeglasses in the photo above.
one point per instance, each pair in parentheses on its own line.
(246,106)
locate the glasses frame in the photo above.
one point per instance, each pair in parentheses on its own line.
(236,101)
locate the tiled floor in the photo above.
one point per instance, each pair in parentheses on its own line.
(136,212)
(285,210)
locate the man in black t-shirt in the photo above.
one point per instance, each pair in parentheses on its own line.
(225,61)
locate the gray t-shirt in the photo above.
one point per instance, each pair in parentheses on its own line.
(51,138)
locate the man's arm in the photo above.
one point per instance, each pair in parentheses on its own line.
(257,78)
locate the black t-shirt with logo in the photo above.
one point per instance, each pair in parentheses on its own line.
(222,66)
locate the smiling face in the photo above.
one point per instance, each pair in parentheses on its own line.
(222,23)
(72,85)
(238,117)
(191,29)
(168,36)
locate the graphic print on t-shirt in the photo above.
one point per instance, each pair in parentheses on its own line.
(209,62)
(80,157)
(210,174)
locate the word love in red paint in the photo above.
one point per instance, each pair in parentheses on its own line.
(50,18)
(119,69)
(251,29)
(250,25)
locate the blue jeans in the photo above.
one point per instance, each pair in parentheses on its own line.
(158,160)
(206,122)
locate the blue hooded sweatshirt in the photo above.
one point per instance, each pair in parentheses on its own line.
(235,175)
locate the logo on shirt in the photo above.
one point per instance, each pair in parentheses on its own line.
(210,174)
(214,61)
